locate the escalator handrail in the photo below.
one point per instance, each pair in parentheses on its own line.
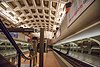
(7,34)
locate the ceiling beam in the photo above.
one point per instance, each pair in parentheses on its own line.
(20,30)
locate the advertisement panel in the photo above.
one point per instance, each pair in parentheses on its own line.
(13,34)
(78,6)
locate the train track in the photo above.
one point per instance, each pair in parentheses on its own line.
(73,61)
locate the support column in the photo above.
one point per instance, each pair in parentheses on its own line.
(35,51)
(46,48)
(90,50)
(34,61)
(82,48)
(41,50)
(5,46)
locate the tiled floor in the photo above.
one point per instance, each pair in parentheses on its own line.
(50,60)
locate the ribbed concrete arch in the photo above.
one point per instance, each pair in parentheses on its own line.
(74,43)
(95,40)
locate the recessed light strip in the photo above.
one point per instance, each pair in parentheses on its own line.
(13,20)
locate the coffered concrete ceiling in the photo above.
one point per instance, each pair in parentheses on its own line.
(36,14)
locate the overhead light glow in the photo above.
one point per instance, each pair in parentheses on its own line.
(54,27)
(5,4)
(47,34)
(9,17)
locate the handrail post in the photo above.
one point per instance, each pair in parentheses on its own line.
(30,62)
(19,60)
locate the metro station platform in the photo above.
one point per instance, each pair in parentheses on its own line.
(70,28)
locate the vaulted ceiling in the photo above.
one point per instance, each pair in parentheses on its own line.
(36,14)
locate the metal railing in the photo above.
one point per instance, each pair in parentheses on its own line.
(20,53)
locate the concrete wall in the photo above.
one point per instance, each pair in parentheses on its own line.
(89,17)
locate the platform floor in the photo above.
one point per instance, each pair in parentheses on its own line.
(50,60)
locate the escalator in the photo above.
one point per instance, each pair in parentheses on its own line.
(4,61)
